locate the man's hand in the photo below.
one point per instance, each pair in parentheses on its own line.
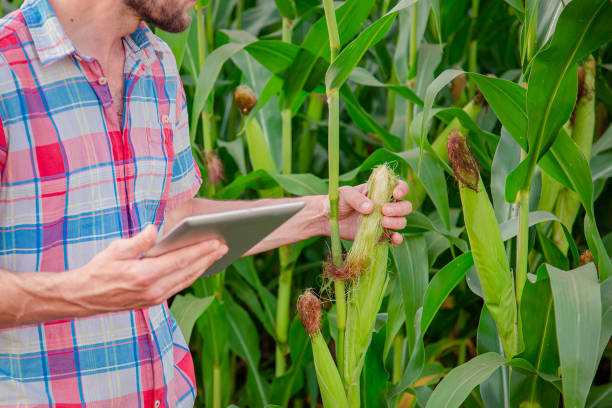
(353,202)
(119,279)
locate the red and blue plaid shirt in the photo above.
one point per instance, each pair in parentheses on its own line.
(73,179)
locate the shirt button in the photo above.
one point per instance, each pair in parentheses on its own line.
(157,404)
(166,119)
(102,81)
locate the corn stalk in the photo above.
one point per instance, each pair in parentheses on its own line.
(286,268)
(333,99)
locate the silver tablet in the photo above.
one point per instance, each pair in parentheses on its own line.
(241,230)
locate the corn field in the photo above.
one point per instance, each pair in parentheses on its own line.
(496,113)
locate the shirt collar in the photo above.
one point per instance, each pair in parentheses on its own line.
(52,43)
(49,38)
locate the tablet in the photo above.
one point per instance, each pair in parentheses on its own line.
(240,230)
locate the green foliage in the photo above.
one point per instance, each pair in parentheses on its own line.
(390,83)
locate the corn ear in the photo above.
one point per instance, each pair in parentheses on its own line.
(380,190)
(367,261)
(583,131)
(486,243)
(330,383)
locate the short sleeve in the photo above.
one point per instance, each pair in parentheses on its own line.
(186,177)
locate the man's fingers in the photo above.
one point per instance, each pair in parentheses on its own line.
(140,243)
(356,199)
(394,223)
(181,258)
(400,190)
(398,209)
(397,238)
(362,188)
(179,280)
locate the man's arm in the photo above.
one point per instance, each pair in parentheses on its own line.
(115,279)
(312,220)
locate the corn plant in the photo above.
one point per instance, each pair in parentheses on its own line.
(492,299)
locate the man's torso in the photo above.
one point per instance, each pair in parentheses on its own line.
(73,179)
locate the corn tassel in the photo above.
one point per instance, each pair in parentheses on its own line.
(330,383)
(486,243)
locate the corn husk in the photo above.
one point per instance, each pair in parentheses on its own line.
(368,262)
(330,383)
(487,245)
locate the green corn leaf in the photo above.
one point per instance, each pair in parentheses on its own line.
(507,157)
(286,8)
(413,273)
(395,313)
(441,285)
(432,177)
(347,60)
(295,184)
(363,119)
(284,387)
(274,55)
(459,383)
(244,341)
(488,341)
(507,99)
(541,349)
(417,222)
(435,7)
(600,397)
(177,43)
(374,377)
(582,27)
(312,61)
(186,310)
(606,316)
(363,77)
(577,302)
(419,135)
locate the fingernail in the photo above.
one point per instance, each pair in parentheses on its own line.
(223,250)
(365,206)
(215,244)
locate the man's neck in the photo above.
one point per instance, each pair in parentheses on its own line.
(96,27)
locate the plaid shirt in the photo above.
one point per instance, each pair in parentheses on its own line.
(73,179)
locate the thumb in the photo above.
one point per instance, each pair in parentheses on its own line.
(357,200)
(140,243)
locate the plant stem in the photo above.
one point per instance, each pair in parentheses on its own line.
(285,278)
(239,9)
(333,98)
(398,343)
(308,138)
(207,137)
(522,243)
(473,51)
(217,386)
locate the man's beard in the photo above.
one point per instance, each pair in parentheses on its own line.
(161,14)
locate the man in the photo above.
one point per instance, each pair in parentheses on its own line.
(94,157)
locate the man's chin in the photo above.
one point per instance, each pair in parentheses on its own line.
(173,25)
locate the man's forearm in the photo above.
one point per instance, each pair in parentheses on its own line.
(310,222)
(36,297)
